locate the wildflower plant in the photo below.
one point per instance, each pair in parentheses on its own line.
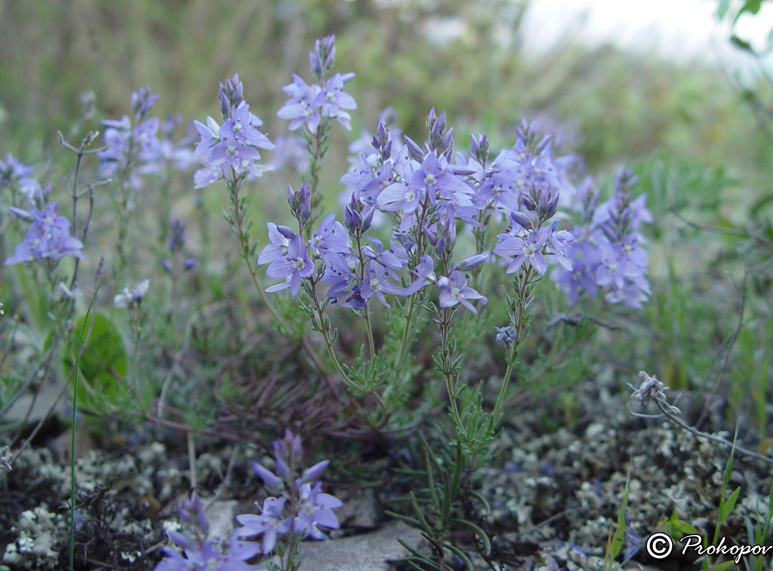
(198,551)
(297,509)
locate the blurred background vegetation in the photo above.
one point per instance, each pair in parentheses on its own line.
(465,57)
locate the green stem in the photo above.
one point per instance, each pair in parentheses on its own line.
(234,188)
(445,330)
(520,324)
(74,421)
(406,330)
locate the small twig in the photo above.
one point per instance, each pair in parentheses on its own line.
(192,459)
(226,479)
(651,389)
(712,437)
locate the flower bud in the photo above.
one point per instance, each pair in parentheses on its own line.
(473,261)
(311,475)
(268,477)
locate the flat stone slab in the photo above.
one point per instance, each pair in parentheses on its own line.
(366,552)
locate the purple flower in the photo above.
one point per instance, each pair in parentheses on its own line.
(316,508)
(280,237)
(309,104)
(12,170)
(520,249)
(142,101)
(425,273)
(301,109)
(454,290)
(338,274)
(199,552)
(376,283)
(293,267)
(330,238)
(272,523)
(398,196)
(390,259)
(332,100)
(47,236)
(242,125)
(290,151)
(498,189)
(131,297)
(436,177)
(230,150)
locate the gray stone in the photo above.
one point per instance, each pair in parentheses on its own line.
(360,510)
(221,516)
(366,552)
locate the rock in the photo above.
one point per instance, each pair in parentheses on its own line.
(366,552)
(360,510)
(221,516)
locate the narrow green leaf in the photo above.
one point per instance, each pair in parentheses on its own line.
(724,6)
(477,531)
(727,506)
(723,566)
(461,554)
(741,44)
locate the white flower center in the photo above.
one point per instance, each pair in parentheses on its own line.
(230,151)
(298,263)
(375,285)
(410,195)
(430,179)
(456,293)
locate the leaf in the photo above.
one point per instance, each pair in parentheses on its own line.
(741,44)
(478,531)
(103,363)
(751,6)
(728,506)
(724,6)
(723,566)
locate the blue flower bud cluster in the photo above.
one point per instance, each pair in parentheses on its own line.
(608,255)
(143,142)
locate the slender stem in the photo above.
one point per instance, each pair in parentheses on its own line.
(192,459)
(369,328)
(74,421)
(410,304)
(448,374)
(317,149)
(234,187)
(520,323)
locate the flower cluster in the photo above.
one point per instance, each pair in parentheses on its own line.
(309,105)
(299,506)
(12,171)
(427,195)
(16,175)
(201,553)
(230,150)
(530,237)
(608,254)
(132,143)
(48,236)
